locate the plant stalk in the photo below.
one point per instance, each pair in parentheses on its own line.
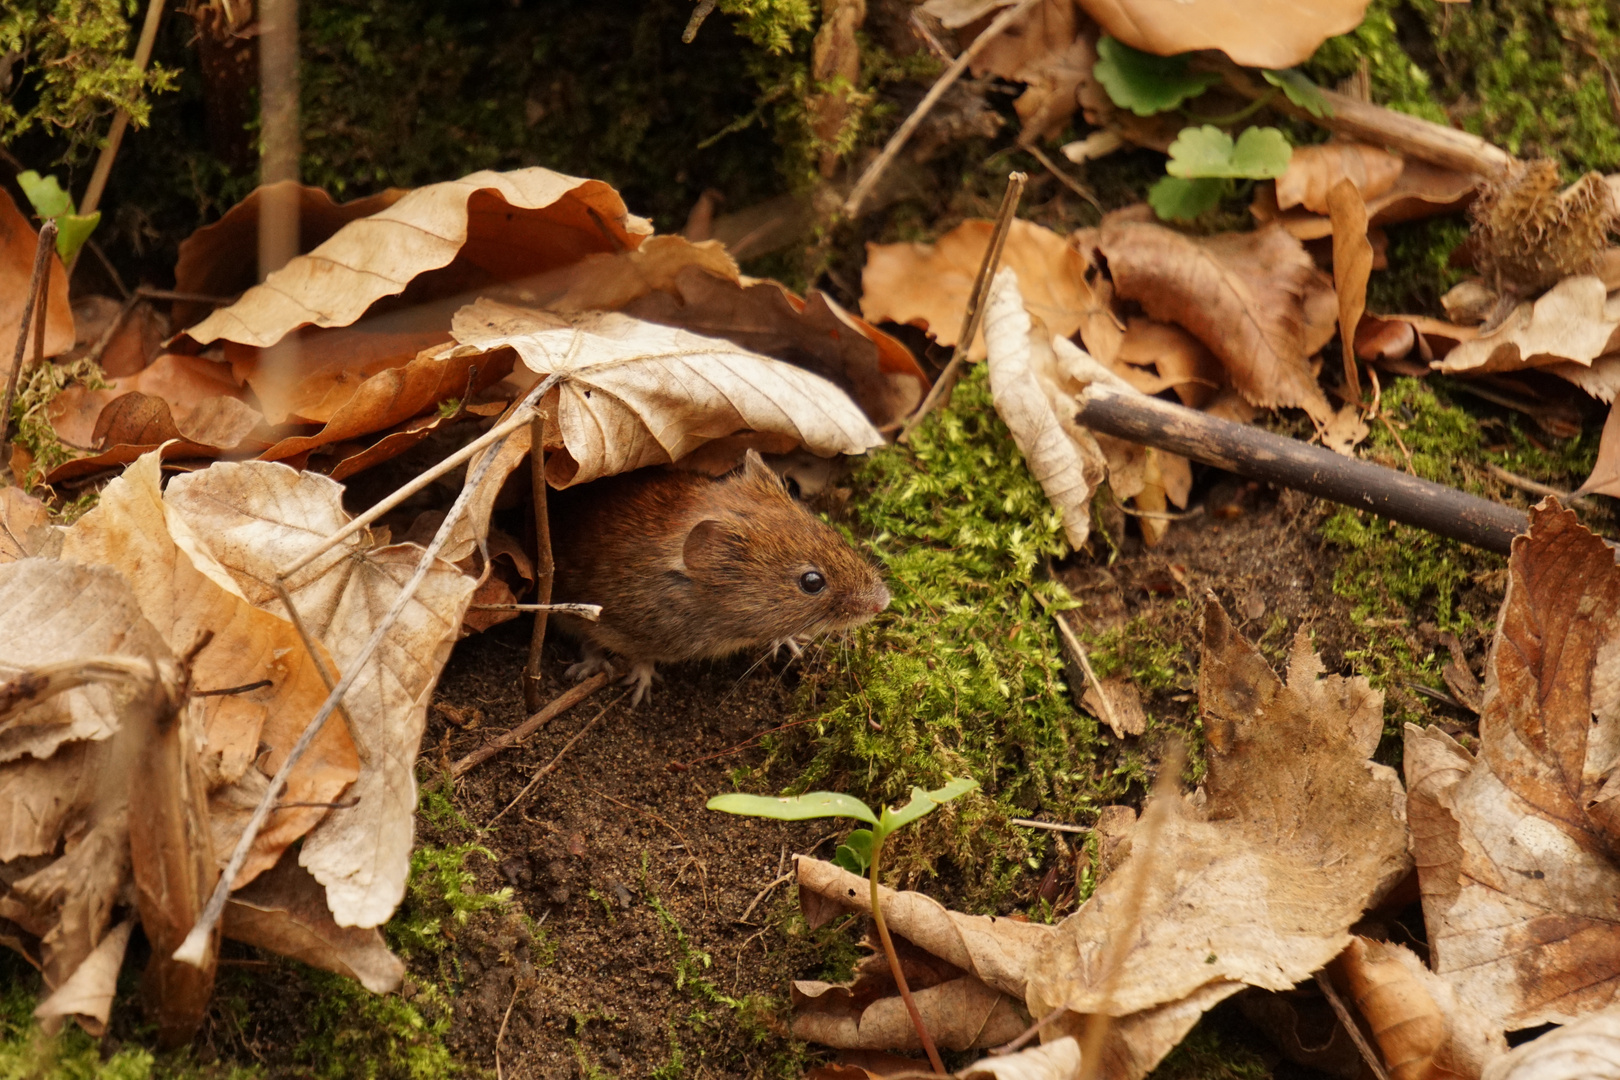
(894,961)
(43,248)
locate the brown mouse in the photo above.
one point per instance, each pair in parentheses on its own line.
(689,567)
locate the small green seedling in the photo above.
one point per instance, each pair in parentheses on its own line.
(52,203)
(862,852)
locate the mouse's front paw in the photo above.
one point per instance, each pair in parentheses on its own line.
(794,644)
(594,661)
(641,677)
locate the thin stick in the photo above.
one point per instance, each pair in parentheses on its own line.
(895,967)
(545,569)
(1050,826)
(584,611)
(551,765)
(42,254)
(194,948)
(561,704)
(891,150)
(44,307)
(112,271)
(148,293)
(115,135)
(940,393)
(494,434)
(499,1075)
(1343,1013)
(1536,487)
(1083,659)
(1063,177)
(783,879)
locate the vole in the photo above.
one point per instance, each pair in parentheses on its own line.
(690,567)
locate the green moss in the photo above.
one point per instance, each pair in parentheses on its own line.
(30,421)
(1149,653)
(360,1035)
(440,899)
(1420,268)
(1204,1055)
(1396,80)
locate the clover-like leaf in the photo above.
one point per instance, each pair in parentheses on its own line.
(923,802)
(1144,83)
(1260,153)
(816,804)
(50,202)
(1176,198)
(1300,90)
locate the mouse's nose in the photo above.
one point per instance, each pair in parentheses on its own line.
(880,600)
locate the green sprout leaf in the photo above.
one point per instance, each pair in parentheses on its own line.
(923,802)
(1300,90)
(1176,199)
(1260,153)
(1144,83)
(855,853)
(50,202)
(816,804)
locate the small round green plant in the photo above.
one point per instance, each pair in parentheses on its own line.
(861,852)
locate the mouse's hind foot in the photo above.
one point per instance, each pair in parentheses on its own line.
(641,676)
(594,662)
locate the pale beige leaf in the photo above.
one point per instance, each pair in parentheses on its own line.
(1572,322)
(1137,1043)
(88,992)
(1056,1060)
(248,520)
(20,512)
(635,393)
(1605,478)
(928,285)
(1523,901)
(1314,170)
(70,613)
(1066,467)
(495,225)
(1302,833)
(1422,190)
(1352,266)
(961,1014)
(1434,764)
(131,531)
(1588,1049)
(955,14)
(38,797)
(1345,431)
(1123,711)
(1601,379)
(1255,33)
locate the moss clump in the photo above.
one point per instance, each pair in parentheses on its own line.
(964,675)
(1394,78)
(440,898)
(30,416)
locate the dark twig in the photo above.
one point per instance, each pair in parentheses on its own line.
(230,690)
(1343,1013)
(939,395)
(42,256)
(544,569)
(561,704)
(551,765)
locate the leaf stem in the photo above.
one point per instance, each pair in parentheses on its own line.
(894,960)
(1231,118)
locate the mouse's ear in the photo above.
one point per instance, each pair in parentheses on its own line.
(706,549)
(754,468)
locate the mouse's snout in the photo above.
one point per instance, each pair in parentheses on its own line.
(880,598)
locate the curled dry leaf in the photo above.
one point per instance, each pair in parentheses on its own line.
(1050,49)
(1605,478)
(635,393)
(1574,321)
(1421,190)
(1055,1060)
(1301,832)
(1423,1032)
(88,993)
(1242,295)
(1588,1049)
(928,285)
(1352,266)
(184,594)
(1314,170)
(1064,460)
(184,382)
(1520,892)
(245,521)
(18,241)
(961,1014)
(487,227)
(1258,33)
(20,514)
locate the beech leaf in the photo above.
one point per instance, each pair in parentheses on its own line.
(1314,170)
(1575,321)
(1259,153)
(1588,1049)
(1254,33)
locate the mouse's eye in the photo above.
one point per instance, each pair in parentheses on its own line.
(812,582)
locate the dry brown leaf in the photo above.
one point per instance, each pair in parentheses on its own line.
(1605,478)
(1421,190)
(1422,1031)
(183,382)
(1065,460)
(927,285)
(1055,1060)
(134,425)
(1313,171)
(1257,33)
(88,993)
(284,910)
(1588,1049)
(1300,833)
(961,1014)
(1181,360)
(1345,431)
(1574,321)
(1384,339)
(137,339)
(1051,49)
(18,241)
(1352,266)
(484,228)
(184,594)
(247,520)
(835,62)
(222,259)
(1242,295)
(1601,379)
(1123,714)
(636,393)
(1520,893)
(20,513)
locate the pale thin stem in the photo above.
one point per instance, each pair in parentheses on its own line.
(115,136)
(1049,826)
(1343,1013)
(561,704)
(1072,642)
(551,765)
(544,568)
(894,962)
(891,150)
(584,611)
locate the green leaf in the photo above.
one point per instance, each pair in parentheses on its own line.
(855,853)
(45,193)
(1300,90)
(1175,199)
(72,231)
(1144,83)
(1260,153)
(816,804)
(923,802)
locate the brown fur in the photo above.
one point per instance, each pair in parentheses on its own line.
(688,567)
